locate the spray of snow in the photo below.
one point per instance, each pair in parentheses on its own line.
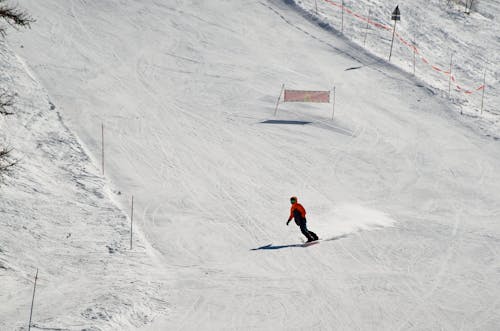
(184,89)
(348,218)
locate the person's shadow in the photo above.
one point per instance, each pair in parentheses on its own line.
(271,246)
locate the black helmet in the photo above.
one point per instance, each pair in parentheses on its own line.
(293,199)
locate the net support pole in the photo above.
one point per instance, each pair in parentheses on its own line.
(333,103)
(449,80)
(482,94)
(414,53)
(342,24)
(279,98)
(366,31)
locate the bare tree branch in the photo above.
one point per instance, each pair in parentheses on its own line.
(6,161)
(6,101)
(14,16)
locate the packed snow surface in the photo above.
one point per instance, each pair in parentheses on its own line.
(56,216)
(401,187)
(432,39)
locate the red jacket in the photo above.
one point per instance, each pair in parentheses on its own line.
(297,206)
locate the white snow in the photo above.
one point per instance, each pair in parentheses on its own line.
(56,215)
(349,218)
(404,187)
(439,30)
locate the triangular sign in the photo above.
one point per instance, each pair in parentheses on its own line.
(396,16)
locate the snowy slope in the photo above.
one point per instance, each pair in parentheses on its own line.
(408,194)
(55,215)
(439,30)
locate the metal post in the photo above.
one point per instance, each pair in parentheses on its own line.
(33,300)
(449,81)
(392,41)
(395,16)
(484,88)
(279,98)
(131,222)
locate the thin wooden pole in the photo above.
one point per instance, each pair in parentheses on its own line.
(33,300)
(102,147)
(366,31)
(484,88)
(414,53)
(333,107)
(449,81)
(392,41)
(279,98)
(342,26)
(131,222)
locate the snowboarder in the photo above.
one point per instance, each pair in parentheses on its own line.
(298,213)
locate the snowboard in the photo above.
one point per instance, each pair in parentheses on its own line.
(307,244)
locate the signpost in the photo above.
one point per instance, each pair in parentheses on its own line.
(395,17)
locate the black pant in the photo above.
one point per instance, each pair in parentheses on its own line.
(302,223)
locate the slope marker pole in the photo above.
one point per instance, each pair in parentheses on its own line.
(102,147)
(484,88)
(33,300)
(449,81)
(342,26)
(131,222)
(366,31)
(414,52)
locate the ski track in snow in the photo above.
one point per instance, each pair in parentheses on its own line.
(404,195)
(56,217)
(454,32)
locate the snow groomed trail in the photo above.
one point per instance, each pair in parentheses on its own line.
(408,195)
(431,38)
(57,220)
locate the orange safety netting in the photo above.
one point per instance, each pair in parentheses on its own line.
(408,44)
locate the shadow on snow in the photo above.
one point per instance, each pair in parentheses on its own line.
(271,246)
(285,122)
